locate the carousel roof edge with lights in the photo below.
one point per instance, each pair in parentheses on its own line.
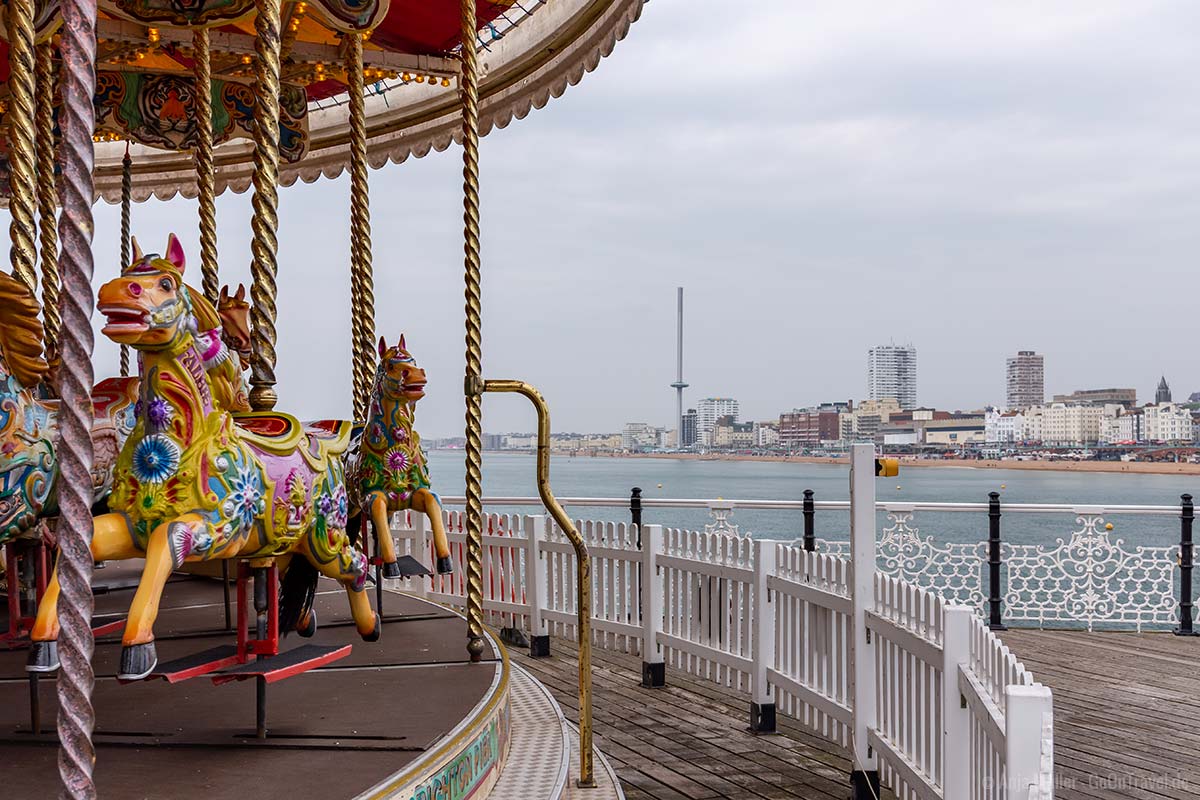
(103,99)
(519,71)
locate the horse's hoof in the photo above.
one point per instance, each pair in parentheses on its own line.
(374,635)
(137,661)
(43,657)
(307,631)
(445,566)
(392,570)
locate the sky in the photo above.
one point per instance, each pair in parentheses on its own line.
(973,178)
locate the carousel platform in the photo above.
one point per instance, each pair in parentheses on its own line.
(405,717)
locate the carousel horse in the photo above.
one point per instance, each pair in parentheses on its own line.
(194,482)
(235,323)
(29,423)
(388,472)
(29,420)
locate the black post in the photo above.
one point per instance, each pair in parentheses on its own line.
(635,512)
(810,534)
(994,610)
(635,517)
(1186,516)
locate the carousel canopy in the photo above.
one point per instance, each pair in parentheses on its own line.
(529,51)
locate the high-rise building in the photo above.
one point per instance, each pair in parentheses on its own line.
(1025,379)
(709,410)
(892,372)
(1163,393)
(687,430)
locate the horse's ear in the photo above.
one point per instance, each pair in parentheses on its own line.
(137,251)
(175,252)
(382,347)
(402,347)
(224,294)
(241,292)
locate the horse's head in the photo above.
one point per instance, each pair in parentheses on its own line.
(401,378)
(149,307)
(234,311)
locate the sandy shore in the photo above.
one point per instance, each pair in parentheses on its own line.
(1143,467)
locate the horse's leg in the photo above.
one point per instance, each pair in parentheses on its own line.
(383,534)
(111,541)
(424,502)
(349,568)
(170,544)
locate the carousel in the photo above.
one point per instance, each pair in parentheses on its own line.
(203,593)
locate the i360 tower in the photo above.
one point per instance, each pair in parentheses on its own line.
(679,385)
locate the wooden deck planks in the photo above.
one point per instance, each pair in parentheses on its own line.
(1125,711)
(1125,708)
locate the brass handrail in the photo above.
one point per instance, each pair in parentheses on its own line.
(586,775)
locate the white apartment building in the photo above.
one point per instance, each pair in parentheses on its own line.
(892,372)
(1004,427)
(1072,424)
(639,436)
(1126,426)
(765,435)
(711,409)
(1167,422)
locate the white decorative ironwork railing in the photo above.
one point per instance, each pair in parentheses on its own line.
(919,689)
(1086,577)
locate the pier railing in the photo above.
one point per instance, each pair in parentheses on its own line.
(922,692)
(1087,577)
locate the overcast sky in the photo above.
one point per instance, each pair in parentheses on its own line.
(974,178)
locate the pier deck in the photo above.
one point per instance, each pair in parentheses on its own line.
(1125,711)
(1125,723)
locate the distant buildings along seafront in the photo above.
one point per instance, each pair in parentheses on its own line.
(1109,419)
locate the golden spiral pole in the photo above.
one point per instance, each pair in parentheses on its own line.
(47,195)
(206,172)
(126,200)
(473,383)
(21,157)
(265,221)
(362,297)
(76,718)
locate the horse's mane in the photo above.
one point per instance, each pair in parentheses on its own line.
(21,334)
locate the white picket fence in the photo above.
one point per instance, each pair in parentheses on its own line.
(916,688)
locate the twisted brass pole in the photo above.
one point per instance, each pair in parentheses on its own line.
(265,202)
(21,157)
(126,201)
(76,756)
(47,195)
(206,173)
(362,297)
(473,383)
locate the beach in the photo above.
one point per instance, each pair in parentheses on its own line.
(1135,467)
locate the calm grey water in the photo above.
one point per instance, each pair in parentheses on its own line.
(512,474)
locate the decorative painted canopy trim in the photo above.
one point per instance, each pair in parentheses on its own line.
(534,62)
(160,111)
(348,16)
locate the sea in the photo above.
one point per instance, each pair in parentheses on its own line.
(513,475)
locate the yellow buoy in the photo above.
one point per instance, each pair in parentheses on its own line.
(1002,486)
(1108,526)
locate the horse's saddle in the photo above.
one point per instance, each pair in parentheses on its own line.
(283,434)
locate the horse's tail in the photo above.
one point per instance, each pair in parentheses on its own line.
(297,590)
